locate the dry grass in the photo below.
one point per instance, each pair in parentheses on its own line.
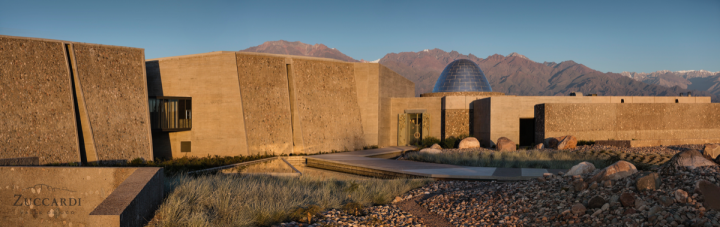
(551,159)
(517,159)
(242,200)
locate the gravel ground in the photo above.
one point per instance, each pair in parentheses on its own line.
(552,200)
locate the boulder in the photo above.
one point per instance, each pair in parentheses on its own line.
(430,151)
(539,146)
(711,193)
(470,142)
(619,170)
(690,159)
(627,199)
(681,196)
(505,144)
(436,146)
(647,181)
(560,143)
(580,169)
(711,151)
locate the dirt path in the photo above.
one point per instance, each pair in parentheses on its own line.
(429,219)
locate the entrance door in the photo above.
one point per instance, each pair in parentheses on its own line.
(527,132)
(412,128)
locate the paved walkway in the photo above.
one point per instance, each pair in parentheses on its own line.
(364,159)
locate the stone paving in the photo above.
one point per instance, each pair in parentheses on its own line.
(366,159)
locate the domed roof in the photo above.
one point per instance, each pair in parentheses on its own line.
(462,75)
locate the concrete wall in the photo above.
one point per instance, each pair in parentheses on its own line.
(212,82)
(397,106)
(43,81)
(37,115)
(393,85)
(457,111)
(327,103)
(55,195)
(115,95)
(500,116)
(266,103)
(636,121)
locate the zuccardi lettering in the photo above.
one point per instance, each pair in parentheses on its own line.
(25,201)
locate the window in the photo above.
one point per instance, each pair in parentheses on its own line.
(171,113)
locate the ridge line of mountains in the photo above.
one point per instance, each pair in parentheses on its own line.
(515,74)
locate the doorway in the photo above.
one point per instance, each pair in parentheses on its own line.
(527,131)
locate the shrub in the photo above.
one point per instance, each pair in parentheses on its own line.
(516,159)
(429,141)
(453,141)
(585,142)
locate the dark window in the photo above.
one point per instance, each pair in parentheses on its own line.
(676,101)
(527,132)
(171,113)
(622,100)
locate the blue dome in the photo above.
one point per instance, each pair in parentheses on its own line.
(462,75)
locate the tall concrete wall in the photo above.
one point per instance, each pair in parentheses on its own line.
(367,79)
(505,112)
(645,121)
(112,80)
(327,102)
(266,103)
(217,106)
(37,117)
(457,111)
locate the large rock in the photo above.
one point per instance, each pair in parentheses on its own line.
(469,142)
(436,146)
(711,193)
(648,181)
(690,159)
(505,144)
(580,169)
(563,142)
(619,170)
(711,151)
(430,151)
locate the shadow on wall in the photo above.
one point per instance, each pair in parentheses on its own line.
(161,140)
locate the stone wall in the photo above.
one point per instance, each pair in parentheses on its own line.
(37,114)
(266,104)
(113,84)
(456,122)
(637,121)
(326,100)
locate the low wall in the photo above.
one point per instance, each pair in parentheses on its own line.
(635,121)
(79,196)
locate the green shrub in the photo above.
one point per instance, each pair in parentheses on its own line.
(429,141)
(585,142)
(516,159)
(453,141)
(370,147)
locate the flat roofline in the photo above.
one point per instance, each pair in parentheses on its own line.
(65,41)
(250,53)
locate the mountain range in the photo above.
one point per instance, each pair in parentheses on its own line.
(515,74)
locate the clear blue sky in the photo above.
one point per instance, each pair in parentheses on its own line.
(604,35)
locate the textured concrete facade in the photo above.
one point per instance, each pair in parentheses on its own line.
(636,121)
(396,106)
(112,81)
(267,103)
(43,81)
(499,116)
(79,196)
(37,118)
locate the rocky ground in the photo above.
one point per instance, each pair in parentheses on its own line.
(669,195)
(660,150)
